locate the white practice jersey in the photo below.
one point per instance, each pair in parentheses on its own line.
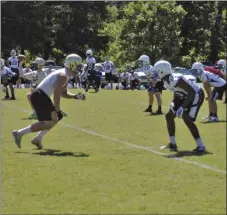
(124,76)
(6,71)
(108,66)
(171,84)
(47,84)
(133,77)
(25,70)
(14,62)
(214,80)
(148,70)
(90,63)
(35,76)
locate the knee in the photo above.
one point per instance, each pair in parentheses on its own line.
(187,119)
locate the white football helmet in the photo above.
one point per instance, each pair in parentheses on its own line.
(162,68)
(13,53)
(197,69)
(222,63)
(40,62)
(89,53)
(144,59)
(72,61)
(2,63)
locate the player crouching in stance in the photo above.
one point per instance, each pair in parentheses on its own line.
(48,112)
(210,80)
(185,106)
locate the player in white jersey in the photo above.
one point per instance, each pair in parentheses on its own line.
(109,69)
(8,78)
(90,69)
(35,77)
(222,66)
(48,112)
(188,98)
(144,66)
(210,80)
(124,78)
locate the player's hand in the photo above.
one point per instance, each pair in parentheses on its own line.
(80,96)
(179,112)
(59,115)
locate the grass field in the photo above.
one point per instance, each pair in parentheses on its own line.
(104,158)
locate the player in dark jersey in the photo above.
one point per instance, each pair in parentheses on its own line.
(188,98)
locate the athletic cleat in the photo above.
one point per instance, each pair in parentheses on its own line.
(215,119)
(199,149)
(12,98)
(148,110)
(33,116)
(158,112)
(171,147)
(207,117)
(37,143)
(5,98)
(17,137)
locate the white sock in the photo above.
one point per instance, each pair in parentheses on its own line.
(41,134)
(172,139)
(25,130)
(199,142)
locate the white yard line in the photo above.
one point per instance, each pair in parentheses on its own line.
(131,145)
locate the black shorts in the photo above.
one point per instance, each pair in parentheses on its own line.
(158,87)
(108,76)
(91,76)
(218,92)
(192,109)
(13,79)
(42,104)
(15,70)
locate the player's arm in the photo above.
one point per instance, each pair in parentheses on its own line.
(206,85)
(207,88)
(28,76)
(60,82)
(187,88)
(67,95)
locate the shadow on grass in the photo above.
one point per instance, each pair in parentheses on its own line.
(154,114)
(187,154)
(27,119)
(57,153)
(220,121)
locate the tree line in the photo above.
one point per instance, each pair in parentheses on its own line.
(179,31)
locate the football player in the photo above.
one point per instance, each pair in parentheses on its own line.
(222,66)
(98,77)
(124,77)
(90,69)
(188,98)
(7,78)
(48,111)
(109,68)
(153,88)
(210,80)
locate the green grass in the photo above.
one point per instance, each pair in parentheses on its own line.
(83,173)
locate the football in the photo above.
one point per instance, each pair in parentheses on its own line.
(21,57)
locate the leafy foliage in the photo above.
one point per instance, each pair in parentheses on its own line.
(181,32)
